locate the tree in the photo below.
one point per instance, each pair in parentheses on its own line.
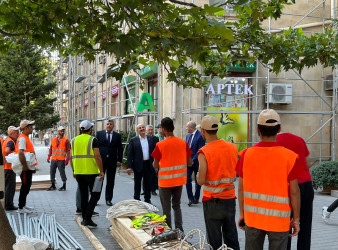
(25,88)
(138,32)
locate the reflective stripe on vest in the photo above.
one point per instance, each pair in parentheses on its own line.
(223,180)
(221,157)
(172,165)
(217,189)
(162,177)
(266,197)
(266,201)
(83,155)
(266,211)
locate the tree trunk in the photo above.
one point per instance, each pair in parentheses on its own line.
(7,237)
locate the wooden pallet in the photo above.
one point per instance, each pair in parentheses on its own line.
(39,182)
(131,238)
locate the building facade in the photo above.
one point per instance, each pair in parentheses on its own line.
(307,102)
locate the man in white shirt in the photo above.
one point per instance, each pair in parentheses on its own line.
(140,161)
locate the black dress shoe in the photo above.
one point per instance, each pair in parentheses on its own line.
(195,201)
(109,203)
(148,201)
(142,193)
(153,193)
(190,203)
(87,223)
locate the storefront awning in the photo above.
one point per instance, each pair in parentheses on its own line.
(149,71)
(250,68)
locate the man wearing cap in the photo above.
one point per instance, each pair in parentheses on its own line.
(171,157)
(8,147)
(59,151)
(268,188)
(195,142)
(24,145)
(111,151)
(217,163)
(86,163)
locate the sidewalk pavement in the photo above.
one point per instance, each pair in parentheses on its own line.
(62,204)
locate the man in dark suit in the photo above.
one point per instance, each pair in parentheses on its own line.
(195,142)
(111,151)
(141,162)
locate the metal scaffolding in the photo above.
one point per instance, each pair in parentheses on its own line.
(320,104)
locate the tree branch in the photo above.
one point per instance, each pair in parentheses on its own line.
(183,3)
(12,34)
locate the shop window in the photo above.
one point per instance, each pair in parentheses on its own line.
(130,99)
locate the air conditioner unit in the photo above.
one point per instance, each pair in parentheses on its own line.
(279,93)
(102,59)
(328,84)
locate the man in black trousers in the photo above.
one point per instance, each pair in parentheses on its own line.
(141,162)
(111,151)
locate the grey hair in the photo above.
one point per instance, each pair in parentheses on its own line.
(192,124)
(149,126)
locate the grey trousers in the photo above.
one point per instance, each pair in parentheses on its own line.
(254,239)
(9,188)
(61,165)
(172,197)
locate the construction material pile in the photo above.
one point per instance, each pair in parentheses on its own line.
(42,229)
(128,208)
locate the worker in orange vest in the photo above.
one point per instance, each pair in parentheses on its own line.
(268,188)
(171,157)
(24,145)
(217,163)
(8,146)
(59,151)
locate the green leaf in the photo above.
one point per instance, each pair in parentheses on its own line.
(173,63)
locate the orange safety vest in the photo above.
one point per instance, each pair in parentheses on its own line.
(59,153)
(29,146)
(173,163)
(266,187)
(221,158)
(4,145)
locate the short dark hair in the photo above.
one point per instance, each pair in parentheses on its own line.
(269,131)
(168,124)
(110,120)
(211,132)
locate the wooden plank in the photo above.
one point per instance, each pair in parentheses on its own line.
(35,186)
(91,237)
(36,178)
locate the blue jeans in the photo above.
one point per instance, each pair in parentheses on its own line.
(193,170)
(219,217)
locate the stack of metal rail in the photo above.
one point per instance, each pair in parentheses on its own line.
(44,228)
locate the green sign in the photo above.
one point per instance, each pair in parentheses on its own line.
(146,102)
(250,68)
(128,79)
(149,71)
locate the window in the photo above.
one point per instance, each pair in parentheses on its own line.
(130,99)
